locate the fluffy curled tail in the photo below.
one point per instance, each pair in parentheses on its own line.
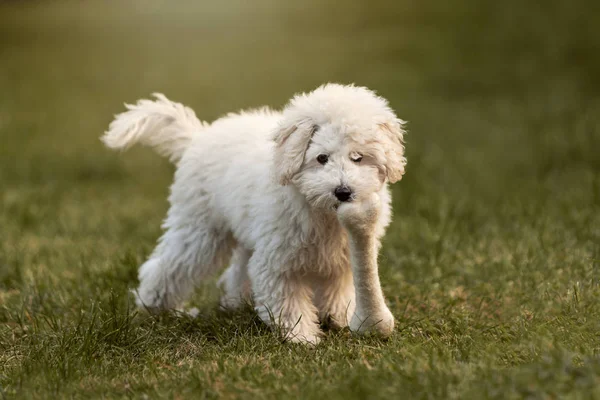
(166,126)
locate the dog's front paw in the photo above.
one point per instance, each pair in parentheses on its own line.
(380,323)
(309,338)
(303,333)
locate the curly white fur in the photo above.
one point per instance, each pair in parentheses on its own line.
(252,188)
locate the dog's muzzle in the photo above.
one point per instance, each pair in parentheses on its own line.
(343,193)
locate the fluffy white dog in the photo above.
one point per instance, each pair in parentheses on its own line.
(297,200)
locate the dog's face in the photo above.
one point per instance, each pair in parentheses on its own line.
(337,169)
(338,144)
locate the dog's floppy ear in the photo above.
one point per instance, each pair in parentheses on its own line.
(291,142)
(393,135)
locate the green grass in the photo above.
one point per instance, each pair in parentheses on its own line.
(492,263)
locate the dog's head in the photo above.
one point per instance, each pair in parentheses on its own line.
(338,143)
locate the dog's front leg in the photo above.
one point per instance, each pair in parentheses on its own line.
(283,300)
(334,297)
(371,313)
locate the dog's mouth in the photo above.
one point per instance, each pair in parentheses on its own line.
(338,203)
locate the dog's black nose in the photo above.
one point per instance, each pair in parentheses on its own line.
(343,193)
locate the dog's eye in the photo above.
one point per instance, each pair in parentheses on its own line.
(356,158)
(322,159)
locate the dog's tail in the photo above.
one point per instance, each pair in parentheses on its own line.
(166,126)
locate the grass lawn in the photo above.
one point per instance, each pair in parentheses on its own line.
(492,263)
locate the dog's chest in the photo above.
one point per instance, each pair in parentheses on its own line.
(325,252)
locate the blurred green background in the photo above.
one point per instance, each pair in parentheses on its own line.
(491,263)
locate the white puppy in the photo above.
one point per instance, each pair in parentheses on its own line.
(297,200)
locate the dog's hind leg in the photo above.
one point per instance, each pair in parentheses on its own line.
(234,282)
(194,245)
(184,256)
